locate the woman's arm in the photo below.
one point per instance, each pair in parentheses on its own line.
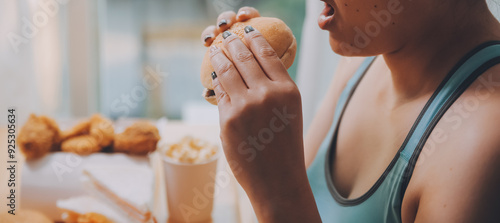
(261,128)
(463,189)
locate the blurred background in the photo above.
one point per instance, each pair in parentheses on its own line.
(132,58)
(136,58)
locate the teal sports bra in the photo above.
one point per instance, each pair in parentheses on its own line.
(382,202)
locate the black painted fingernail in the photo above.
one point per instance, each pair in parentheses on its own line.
(214,75)
(207,37)
(222,22)
(226,34)
(249,29)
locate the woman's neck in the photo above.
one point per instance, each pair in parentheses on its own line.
(422,63)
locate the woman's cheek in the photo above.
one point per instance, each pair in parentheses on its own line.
(355,29)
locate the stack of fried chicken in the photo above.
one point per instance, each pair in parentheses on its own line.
(41,135)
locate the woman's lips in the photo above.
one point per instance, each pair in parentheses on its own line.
(326,16)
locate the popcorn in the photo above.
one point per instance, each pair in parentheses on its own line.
(190,150)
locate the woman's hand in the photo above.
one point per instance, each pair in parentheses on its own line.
(260,111)
(261,126)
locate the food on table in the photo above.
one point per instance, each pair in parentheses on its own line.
(89,136)
(82,128)
(189,164)
(118,193)
(190,150)
(102,130)
(138,139)
(79,208)
(39,136)
(92,218)
(276,32)
(130,189)
(24,216)
(82,145)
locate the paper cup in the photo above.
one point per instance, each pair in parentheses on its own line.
(190,189)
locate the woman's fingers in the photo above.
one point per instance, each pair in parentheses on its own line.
(208,35)
(246,13)
(227,73)
(265,55)
(220,93)
(244,60)
(226,20)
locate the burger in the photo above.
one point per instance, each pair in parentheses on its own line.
(275,31)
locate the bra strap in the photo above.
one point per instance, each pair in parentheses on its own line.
(351,87)
(456,82)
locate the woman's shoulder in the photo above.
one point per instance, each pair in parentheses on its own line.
(461,157)
(478,108)
(470,125)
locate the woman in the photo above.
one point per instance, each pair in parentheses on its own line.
(407,136)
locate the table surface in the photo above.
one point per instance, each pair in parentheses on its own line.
(231,205)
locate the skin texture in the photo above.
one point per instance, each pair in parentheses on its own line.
(456,178)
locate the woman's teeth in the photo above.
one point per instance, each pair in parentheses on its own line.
(331,11)
(326,16)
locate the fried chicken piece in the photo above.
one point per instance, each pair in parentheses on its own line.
(89,136)
(102,130)
(39,136)
(93,218)
(82,145)
(79,129)
(138,139)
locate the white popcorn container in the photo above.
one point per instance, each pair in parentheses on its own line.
(190,189)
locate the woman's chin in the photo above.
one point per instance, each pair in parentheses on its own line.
(343,49)
(346,49)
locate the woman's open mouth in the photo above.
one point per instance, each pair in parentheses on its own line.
(326,15)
